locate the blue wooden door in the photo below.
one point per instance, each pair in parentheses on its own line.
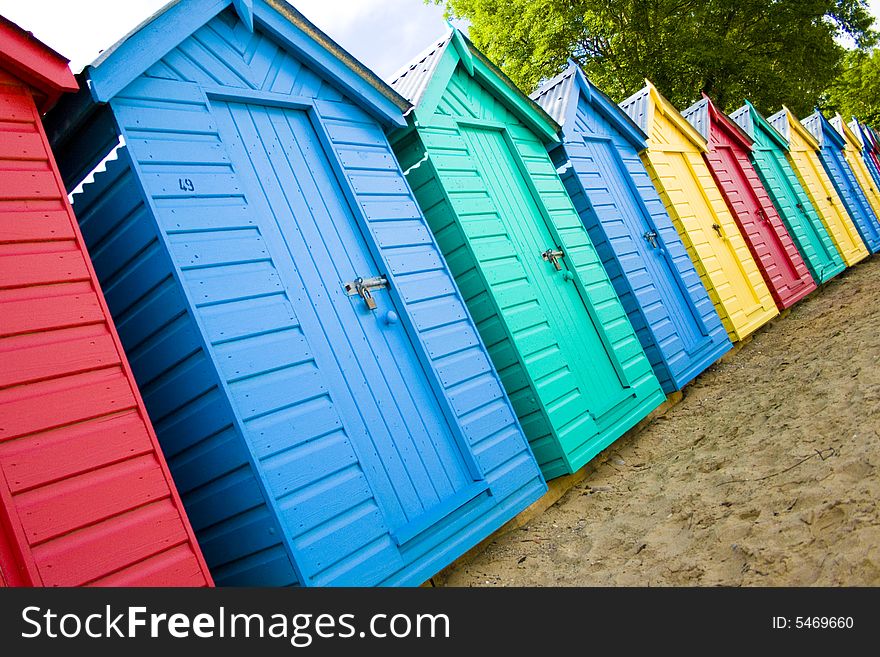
(603,174)
(363,362)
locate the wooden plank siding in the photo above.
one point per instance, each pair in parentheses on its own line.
(804,158)
(87,494)
(566,421)
(656,282)
(768,156)
(674,160)
(768,240)
(280,489)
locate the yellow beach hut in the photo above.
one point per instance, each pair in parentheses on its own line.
(804,157)
(674,160)
(853,154)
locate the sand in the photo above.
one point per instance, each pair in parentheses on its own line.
(766,474)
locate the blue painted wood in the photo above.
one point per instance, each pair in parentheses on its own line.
(175,25)
(851,194)
(317,442)
(660,290)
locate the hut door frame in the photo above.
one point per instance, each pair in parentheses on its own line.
(308,105)
(523,171)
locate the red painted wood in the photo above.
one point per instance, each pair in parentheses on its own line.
(75,449)
(780,262)
(42,69)
(85,493)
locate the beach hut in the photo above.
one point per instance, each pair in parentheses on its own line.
(474,149)
(872,145)
(803,154)
(774,251)
(329,411)
(660,290)
(769,157)
(85,493)
(674,160)
(831,152)
(856,161)
(863,139)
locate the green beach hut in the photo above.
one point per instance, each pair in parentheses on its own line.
(474,153)
(791,201)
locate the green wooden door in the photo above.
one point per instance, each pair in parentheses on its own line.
(581,338)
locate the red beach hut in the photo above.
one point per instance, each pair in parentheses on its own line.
(85,495)
(778,258)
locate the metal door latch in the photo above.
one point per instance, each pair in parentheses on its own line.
(363,288)
(552,256)
(651,237)
(717,229)
(762,216)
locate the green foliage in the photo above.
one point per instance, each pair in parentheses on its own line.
(856,91)
(771,51)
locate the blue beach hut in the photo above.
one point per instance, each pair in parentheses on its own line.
(831,152)
(328,410)
(866,141)
(652,274)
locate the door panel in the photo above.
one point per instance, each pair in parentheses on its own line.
(368,367)
(779,260)
(809,228)
(718,249)
(605,161)
(581,337)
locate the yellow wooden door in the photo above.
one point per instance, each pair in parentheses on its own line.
(708,230)
(813,177)
(853,155)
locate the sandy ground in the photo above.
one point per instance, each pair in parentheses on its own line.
(765,474)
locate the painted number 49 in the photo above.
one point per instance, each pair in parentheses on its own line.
(186,184)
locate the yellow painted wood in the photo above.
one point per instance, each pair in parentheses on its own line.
(804,157)
(853,154)
(674,160)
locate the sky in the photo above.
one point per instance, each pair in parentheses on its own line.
(384,34)
(80,29)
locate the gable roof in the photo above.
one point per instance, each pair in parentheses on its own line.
(128,58)
(703,115)
(560,96)
(427,76)
(750,120)
(857,131)
(823,131)
(785,122)
(641,107)
(35,64)
(849,135)
(412,80)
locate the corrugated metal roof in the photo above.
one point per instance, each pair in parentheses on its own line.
(698,116)
(817,123)
(813,123)
(637,107)
(412,80)
(743,118)
(780,122)
(856,129)
(555,94)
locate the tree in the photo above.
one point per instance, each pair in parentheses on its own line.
(856,91)
(770,51)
